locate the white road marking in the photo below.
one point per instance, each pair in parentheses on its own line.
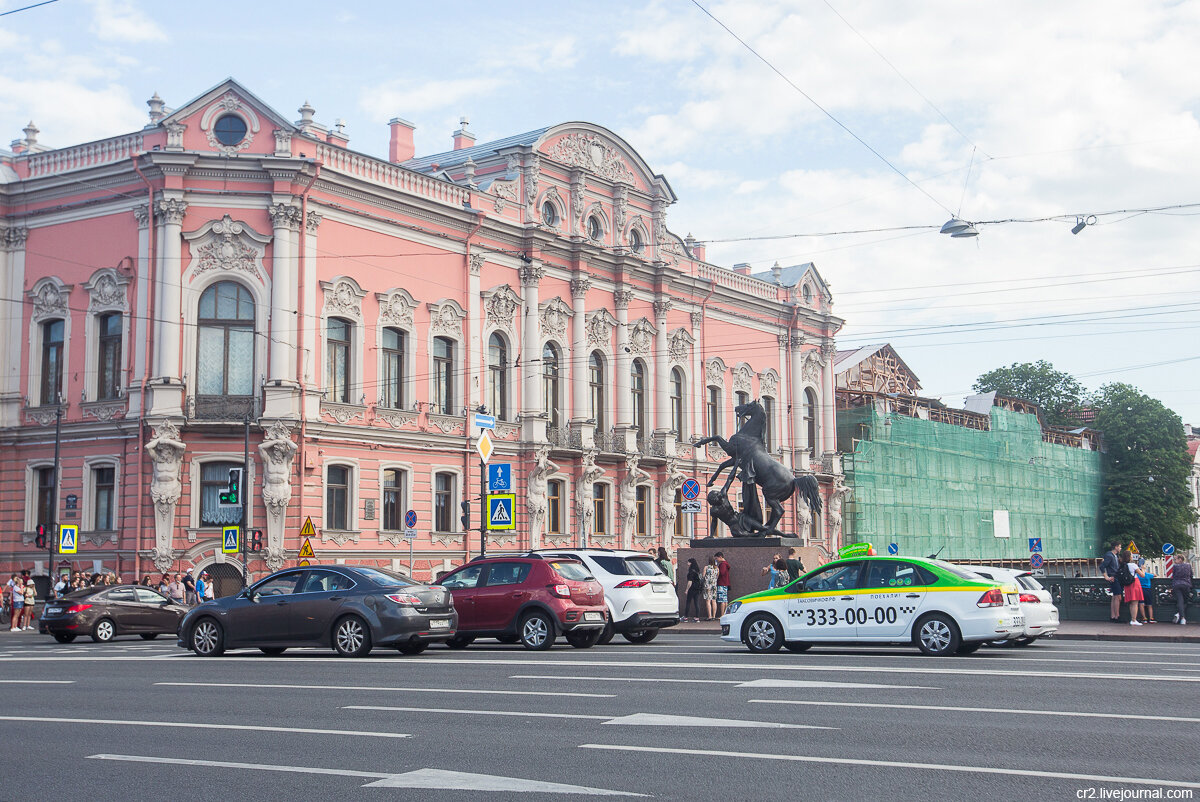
(666,720)
(228,764)
(38,681)
(259,686)
(515,713)
(895,764)
(285,730)
(800,683)
(627,679)
(1012,710)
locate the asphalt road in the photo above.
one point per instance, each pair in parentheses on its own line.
(685,717)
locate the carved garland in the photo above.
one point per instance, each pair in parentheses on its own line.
(599,329)
(554,318)
(641,340)
(228,245)
(500,305)
(741,378)
(714,373)
(680,345)
(343,298)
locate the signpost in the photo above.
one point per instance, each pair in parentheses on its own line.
(306,553)
(500,508)
(410,534)
(231,539)
(1036,560)
(690,507)
(484,447)
(1035,544)
(499,477)
(68,539)
(893,548)
(1169,558)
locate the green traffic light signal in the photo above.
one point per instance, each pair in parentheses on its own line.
(231,495)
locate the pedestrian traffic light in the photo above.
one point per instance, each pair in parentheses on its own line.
(256,540)
(40,540)
(466,515)
(232,494)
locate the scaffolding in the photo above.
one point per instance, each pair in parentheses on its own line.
(933,480)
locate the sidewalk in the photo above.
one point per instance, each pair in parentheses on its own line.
(1068,630)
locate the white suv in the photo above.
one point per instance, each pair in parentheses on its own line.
(641,599)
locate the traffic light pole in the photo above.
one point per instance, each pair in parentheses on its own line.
(245,492)
(52,535)
(482,508)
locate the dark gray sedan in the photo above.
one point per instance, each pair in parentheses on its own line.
(105,612)
(350,608)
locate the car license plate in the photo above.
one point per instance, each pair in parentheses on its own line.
(54,610)
(592,617)
(659,588)
(439,623)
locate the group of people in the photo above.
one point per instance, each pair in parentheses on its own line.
(1132,584)
(710,585)
(20,601)
(182,588)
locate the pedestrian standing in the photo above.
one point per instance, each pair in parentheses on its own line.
(1110,565)
(1181,589)
(769,568)
(61,587)
(30,603)
(695,584)
(795,567)
(710,589)
(1133,589)
(664,562)
(1147,580)
(162,584)
(210,591)
(189,587)
(16,594)
(175,589)
(722,584)
(7,598)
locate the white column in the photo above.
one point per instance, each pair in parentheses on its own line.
(621,299)
(796,390)
(699,391)
(660,413)
(474,308)
(534,423)
(170,213)
(784,400)
(828,430)
(308,299)
(579,349)
(285,219)
(12,306)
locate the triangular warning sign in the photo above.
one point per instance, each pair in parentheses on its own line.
(500,513)
(306,550)
(1133,547)
(307,530)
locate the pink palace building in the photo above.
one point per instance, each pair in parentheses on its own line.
(225,277)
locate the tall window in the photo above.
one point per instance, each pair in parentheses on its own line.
(714,410)
(108,363)
(337,498)
(810,418)
(768,404)
(637,388)
(678,513)
(103,489)
(225,341)
(554,492)
(677,402)
(443,378)
(642,504)
(600,508)
(45,496)
(52,355)
(742,398)
(214,480)
(498,376)
(337,367)
(550,370)
(596,390)
(393,499)
(443,499)
(395,351)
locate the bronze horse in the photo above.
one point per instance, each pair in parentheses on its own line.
(747,452)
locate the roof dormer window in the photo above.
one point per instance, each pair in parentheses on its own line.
(230,129)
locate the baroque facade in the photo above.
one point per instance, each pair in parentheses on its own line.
(225,282)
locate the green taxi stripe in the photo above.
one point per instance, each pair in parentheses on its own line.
(862,592)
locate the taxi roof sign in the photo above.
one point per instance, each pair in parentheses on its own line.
(855,550)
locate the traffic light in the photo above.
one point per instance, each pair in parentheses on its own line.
(256,540)
(232,495)
(466,515)
(40,540)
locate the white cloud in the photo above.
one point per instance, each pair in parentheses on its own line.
(410,98)
(123,21)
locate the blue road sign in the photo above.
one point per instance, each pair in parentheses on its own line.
(499,477)
(1035,544)
(500,511)
(1168,548)
(893,548)
(485,421)
(68,539)
(410,518)
(1035,560)
(690,489)
(229,540)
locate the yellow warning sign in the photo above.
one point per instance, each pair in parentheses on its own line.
(308,530)
(1132,547)
(306,550)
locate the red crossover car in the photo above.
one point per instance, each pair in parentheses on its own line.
(526,598)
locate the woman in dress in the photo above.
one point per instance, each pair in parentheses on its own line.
(694,585)
(1133,592)
(710,589)
(664,562)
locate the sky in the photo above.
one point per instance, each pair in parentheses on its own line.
(882,117)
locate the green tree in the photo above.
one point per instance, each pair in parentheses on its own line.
(1146,467)
(1058,394)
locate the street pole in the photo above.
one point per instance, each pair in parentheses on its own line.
(51,539)
(245,493)
(482,508)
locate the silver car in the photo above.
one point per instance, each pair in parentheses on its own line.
(1037,605)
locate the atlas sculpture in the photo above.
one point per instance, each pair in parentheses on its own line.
(750,461)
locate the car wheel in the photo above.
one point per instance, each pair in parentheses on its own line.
(797,646)
(507,638)
(937,635)
(104,630)
(64,637)
(584,639)
(640,635)
(149,635)
(351,637)
(207,638)
(1000,644)
(762,633)
(272,651)
(969,648)
(413,648)
(606,634)
(462,641)
(537,632)
(1027,641)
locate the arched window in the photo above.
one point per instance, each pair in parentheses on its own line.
(637,388)
(498,376)
(225,341)
(810,418)
(550,368)
(108,363)
(596,388)
(549,214)
(52,361)
(337,367)
(635,241)
(395,352)
(677,402)
(214,480)
(443,377)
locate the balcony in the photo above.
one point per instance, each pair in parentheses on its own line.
(223,407)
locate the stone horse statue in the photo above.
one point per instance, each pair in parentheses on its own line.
(748,457)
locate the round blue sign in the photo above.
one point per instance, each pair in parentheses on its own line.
(1168,548)
(690,489)
(893,548)
(410,518)
(1035,560)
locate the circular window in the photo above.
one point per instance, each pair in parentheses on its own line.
(806,291)
(594,229)
(635,241)
(549,214)
(229,129)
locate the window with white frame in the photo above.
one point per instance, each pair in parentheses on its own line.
(637,390)
(642,506)
(108,358)
(104,489)
(443,502)
(443,376)
(394,493)
(45,496)
(768,405)
(337,359)
(600,508)
(52,361)
(742,398)
(395,353)
(550,383)
(596,390)
(714,410)
(214,480)
(225,341)
(678,513)
(498,376)
(810,417)
(337,497)
(554,506)
(677,402)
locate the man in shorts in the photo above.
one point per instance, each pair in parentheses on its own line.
(1109,565)
(722,584)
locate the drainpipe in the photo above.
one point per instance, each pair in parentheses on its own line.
(301,322)
(148,323)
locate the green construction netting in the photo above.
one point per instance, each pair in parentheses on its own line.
(929,486)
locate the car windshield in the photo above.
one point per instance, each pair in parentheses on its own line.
(1029,583)
(573,571)
(628,566)
(382,577)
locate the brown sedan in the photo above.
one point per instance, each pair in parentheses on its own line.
(105,612)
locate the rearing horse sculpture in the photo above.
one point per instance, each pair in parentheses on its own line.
(747,452)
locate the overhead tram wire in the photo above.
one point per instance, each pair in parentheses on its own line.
(26,8)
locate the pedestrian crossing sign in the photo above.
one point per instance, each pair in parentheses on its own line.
(500,511)
(68,539)
(230,540)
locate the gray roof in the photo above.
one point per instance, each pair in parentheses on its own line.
(450,158)
(788,277)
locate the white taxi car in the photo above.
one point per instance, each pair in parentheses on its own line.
(1037,605)
(942,608)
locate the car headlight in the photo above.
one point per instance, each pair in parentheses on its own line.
(734,607)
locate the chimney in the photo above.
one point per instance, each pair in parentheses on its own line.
(338,135)
(462,137)
(697,250)
(401,147)
(742,268)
